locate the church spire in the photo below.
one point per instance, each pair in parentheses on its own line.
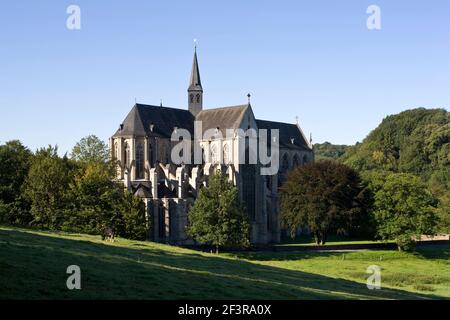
(195,90)
(195,74)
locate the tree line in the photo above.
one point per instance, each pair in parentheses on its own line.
(75,193)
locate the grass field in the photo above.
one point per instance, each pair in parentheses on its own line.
(33,266)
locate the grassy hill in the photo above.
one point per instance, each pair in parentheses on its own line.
(33,266)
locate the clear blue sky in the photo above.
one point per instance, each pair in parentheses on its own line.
(311,59)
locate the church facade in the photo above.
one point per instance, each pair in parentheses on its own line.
(143,147)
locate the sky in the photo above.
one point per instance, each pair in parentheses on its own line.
(313,59)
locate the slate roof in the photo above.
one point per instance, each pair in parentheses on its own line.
(287,132)
(139,120)
(222,118)
(164,119)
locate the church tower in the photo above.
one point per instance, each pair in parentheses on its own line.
(195,90)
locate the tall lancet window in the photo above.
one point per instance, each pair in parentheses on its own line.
(140,161)
(284,169)
(126,155)
(296,161)
(150,155)
(116,150)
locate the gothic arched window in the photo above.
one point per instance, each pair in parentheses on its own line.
(295,162)
(284,169)
(116,150)
(285,163)
(139,161)
(150,154)
(191,98)
(126,155)
(203,156)
(198,97)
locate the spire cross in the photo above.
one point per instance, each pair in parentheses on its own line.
(249,96)
(296,120)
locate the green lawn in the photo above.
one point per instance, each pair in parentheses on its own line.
(33,266)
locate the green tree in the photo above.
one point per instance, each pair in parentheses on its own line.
(46,187)
(325,196)
(404,209)
(93,200)
(90,149)
(135,224)
(218,217)
(14,165)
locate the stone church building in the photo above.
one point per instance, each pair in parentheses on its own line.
(142,145)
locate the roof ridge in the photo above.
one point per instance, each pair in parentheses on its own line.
(227,107)
(159,107)
(293,124)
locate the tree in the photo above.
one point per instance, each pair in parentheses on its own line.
(14,165)
(404,209)
(327,150)
(218,217)
(325,196)
(90,149)
(46,187)
(135,224)
(93,199)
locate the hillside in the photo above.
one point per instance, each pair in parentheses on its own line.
(414,141)
(33,266)
(327,150)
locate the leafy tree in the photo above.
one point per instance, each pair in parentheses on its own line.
(46,186)
(14,165)
(404,209)
(217,216)
(325,196)
(90,149)
(93,200)
(135,224)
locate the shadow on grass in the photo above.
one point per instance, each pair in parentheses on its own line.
(440,252)
(281,255)
(34,267)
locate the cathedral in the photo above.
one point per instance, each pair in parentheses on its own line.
(143,146)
